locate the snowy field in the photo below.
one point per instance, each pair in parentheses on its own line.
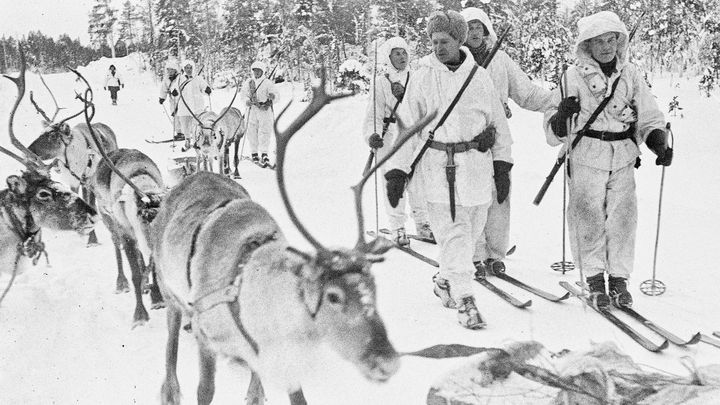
(65,338)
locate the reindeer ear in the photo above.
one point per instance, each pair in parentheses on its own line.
(16,184)
(311,293)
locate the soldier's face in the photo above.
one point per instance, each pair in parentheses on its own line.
(604,47)
(399,58)
(257,73)
(476,33)
(188,70)
(445,47)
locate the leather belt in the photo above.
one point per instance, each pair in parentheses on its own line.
(609,136)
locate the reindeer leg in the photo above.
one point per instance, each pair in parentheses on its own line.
(256,393)
(206,385)
(170,391)
(226,159)
(297,398)
(236,158)
(121,283)
(137,266)
(156,298)
(89,197)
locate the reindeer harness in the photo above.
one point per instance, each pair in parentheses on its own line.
(28,231)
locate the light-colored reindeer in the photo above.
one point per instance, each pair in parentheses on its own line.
(75,152)
(224,263)
(208,140)
(129,188)
(231,127)
(33,201)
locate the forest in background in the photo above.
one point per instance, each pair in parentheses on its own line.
(296,37)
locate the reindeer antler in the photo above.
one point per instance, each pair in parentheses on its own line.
(229,106)
(87,102)
(40,110)
(319,100)
(182,86)
(404,136)
(31,159)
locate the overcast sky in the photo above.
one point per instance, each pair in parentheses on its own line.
(51,17)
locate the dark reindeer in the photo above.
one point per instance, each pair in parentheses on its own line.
(33,201)
(73,149)
(208,138)
(224,264)
(129,187)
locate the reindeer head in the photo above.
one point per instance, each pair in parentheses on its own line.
(52,141)
(336,285)
(50,203)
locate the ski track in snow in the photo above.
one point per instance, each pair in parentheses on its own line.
(65,338)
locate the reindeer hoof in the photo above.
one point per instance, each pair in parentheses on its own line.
(157,305)
(137,323)
(92,244)
(140,319)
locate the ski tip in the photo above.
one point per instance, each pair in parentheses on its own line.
(511,251)
(663,346)
(525,304)
(695,339)
(564,297)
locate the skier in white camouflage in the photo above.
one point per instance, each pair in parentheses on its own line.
(192,88)
(510,82)
(457,165)
(602,210)
(169,92)
(259,94)
(390,85)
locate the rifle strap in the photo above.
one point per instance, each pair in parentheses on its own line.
(391,118)
(431,134)
(595,113)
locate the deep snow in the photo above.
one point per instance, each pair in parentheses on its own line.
(66,338)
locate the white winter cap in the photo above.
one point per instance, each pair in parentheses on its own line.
(598,24)
(474,13)
(259,65)
(387,47)
(171,63)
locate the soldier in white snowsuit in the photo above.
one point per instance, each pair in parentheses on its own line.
(510,82)
(259,94)
(602,211)
(380,132)
(458,163)
(193,90)
(113,82)
(169,92)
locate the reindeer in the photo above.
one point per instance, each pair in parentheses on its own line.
(74,148)
(32,201)
(224,264)
(231,127)
(129,187)
(208,140)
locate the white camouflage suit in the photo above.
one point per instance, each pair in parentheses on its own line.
(602,211)
(167,88)
(433,88)
(259,118)
(382,108)
(510,82)
(193,91)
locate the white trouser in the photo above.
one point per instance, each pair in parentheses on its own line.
(602,217)
(457,242)
(185,126)
(493,242)
(415,197)
(259,129)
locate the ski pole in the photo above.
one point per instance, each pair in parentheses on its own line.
(654,286)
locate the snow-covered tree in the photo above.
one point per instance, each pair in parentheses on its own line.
(101,25)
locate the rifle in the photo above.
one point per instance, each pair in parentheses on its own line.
(561,159)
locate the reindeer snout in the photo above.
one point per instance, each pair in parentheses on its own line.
(380,367)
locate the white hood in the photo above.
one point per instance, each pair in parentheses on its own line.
(387,47)
(473,13)
(598,24)
(258,65)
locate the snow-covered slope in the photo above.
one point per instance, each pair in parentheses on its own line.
(65,338)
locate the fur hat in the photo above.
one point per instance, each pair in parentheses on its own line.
(450,22)
(259,65)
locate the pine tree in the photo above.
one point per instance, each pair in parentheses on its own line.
(173,25)
(241,33)
(101,25)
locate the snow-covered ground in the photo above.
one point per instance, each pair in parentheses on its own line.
(65,338)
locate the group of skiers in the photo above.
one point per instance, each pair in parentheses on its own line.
(186,92)
(457,170)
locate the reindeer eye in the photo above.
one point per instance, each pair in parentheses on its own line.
(335,297)
(44,195)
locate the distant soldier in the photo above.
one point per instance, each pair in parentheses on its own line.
(259,93)
(168,90)
(113,82)
(192,88)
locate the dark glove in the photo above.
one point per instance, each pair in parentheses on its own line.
(502,179)
(395,185)
(568,106)
(657,142)
(122,85)
(398,90)
(104,88)
(208,90)
(375,141)
(486,139)
(161,100)
(174,93)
